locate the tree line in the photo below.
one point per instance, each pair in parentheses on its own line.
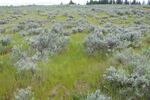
(134,2)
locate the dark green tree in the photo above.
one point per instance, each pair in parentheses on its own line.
(114,2)
(148,3)
(71,2)
(111,2)
(143,3)
(118,1)
(139,3)
(134,2)
(126,2)
(104,1)
(91,1)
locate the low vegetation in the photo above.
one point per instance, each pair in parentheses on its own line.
(73,52)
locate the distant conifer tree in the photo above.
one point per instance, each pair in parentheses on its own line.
(71,2)
(148,3)
(118,1)
(126,2)
(134,2)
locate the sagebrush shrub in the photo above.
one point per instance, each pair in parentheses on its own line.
(5,40)
(32,24)
(77,30)
(35,31)
(24,94)
(2,30)
(114,38)
(133,76)
(147,53)
(97,96)
(51,41)
(94,42)
(97,42)
(18,27)
(17,52)
(21,60)
(3,22)
(118,77)
(25,63)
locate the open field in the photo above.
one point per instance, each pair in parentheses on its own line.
(68,52)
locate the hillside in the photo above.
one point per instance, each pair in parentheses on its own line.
(68,52)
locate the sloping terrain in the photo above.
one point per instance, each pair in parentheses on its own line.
(68,52)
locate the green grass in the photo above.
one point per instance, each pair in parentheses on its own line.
(71,74)
(73,69)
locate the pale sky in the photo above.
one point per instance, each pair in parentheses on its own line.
(38,2)
(41,2)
